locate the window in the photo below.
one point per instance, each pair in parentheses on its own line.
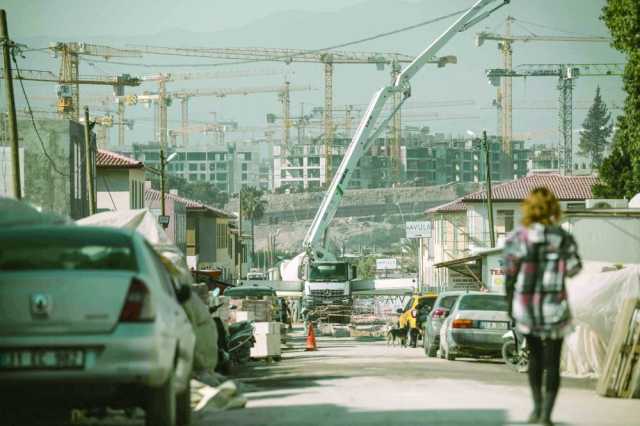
(193,177)
(196,156)
(152,156)
(203,176)
(221,235)
(244,176)
(505,222)
(247,156)
(222,166)
(221,177)
(488,302)
(245,167)
(212,167)
(193,167)
(212,176)
(313,161)
(203,167)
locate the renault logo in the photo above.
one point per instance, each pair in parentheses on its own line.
(41,304)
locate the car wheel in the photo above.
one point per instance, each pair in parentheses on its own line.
(183,406)
(161,405)
(431,350)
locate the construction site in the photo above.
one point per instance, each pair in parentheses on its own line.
(312,209)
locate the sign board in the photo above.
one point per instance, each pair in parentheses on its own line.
(163,220)
(382,264)
(418,229)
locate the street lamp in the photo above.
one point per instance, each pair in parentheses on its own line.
(164,219)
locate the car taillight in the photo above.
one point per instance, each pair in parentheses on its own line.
(462,323)
(137,305)
(438,313)
(414,313)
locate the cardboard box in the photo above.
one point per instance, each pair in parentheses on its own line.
(266,345)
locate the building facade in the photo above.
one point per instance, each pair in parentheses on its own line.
(119,182)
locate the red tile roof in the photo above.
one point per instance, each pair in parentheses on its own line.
(566,188)
(450,207)
(112,160)
(154,195)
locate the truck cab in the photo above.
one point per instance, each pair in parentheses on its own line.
(327,287)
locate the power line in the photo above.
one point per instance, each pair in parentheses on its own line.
(547,27)
(33,121)
(287,56)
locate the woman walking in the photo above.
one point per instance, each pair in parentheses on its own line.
(538,256)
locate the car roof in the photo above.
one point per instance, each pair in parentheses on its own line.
(47,233)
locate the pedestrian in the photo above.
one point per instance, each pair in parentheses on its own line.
(539,254)
(285,312)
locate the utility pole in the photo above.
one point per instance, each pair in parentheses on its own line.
(11,106)
(240,245)
(162,189)
(88,162)
(485,144)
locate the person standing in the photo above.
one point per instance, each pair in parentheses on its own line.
(538,256)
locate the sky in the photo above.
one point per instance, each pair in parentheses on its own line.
(316,24)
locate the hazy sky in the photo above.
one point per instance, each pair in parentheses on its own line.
(314,24)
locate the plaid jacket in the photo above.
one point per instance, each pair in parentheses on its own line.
(537,260)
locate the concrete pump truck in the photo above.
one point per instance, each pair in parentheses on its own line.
(327,281)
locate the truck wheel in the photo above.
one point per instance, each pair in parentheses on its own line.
(183,405)
(161,404)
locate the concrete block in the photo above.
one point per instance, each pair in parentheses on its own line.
(245,316)
(266,328)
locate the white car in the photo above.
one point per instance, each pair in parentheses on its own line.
(475,326)
(89,317)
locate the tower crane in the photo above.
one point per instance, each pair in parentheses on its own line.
(69,85)
(504,99)
(326,57)
(566,74)
(163,78)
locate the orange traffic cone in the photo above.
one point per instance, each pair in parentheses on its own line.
(311,339)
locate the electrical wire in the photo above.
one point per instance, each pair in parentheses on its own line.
(547,27)
(288,56)
(33,121)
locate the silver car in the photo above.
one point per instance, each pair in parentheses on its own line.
(437,316)
(475,326)
(89,317)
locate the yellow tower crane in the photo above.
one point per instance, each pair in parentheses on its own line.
(69,80)
(504,100)
(326,57)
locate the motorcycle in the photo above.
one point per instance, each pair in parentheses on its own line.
(515,351)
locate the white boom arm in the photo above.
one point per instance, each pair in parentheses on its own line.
(366,134)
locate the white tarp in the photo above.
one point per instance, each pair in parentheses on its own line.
(141,220)
(595,298)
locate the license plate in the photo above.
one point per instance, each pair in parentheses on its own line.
(41,359)
(327,302)
(494,325)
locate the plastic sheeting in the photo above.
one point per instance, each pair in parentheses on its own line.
(595,298)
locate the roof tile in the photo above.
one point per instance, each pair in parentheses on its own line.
(109,159)
(154,195)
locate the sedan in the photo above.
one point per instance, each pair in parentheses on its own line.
(437,316)
(475,326)
(90,318)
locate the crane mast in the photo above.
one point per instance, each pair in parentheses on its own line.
(367,130)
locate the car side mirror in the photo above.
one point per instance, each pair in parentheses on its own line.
(232,307)
(184,293)
(399,311)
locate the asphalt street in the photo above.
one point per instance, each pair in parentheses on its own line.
(363,381)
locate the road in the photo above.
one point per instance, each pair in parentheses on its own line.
(357,381)
(360,381)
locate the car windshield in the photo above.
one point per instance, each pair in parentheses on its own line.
(426,302)
(328,272)
(66,254)
(483,302)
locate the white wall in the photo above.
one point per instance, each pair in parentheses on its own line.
(113,188)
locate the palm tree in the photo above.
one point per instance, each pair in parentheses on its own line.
(253,208)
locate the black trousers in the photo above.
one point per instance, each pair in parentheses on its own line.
(544,361)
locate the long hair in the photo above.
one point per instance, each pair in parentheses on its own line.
(541,206)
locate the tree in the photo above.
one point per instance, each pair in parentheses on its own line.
(596,129)
(253,208)
(620,172)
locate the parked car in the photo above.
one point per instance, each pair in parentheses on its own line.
(439,313)
(410,313)
(475,326)
(90,318)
